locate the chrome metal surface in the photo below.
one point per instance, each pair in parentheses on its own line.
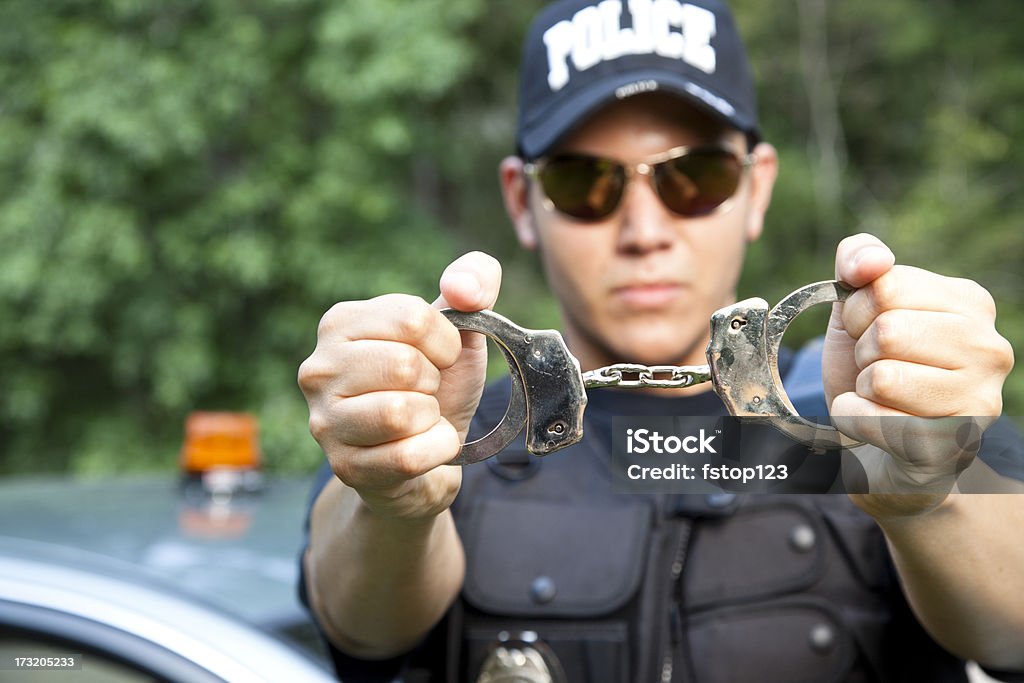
(547,388)
(744,357)
(631,375)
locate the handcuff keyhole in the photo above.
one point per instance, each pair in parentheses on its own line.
(556,428)
(737,323)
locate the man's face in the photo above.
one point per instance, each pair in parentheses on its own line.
(641,285)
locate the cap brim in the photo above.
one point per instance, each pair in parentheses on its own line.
(572,110)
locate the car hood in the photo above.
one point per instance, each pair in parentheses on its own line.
(240,554)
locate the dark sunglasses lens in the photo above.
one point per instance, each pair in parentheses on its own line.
(583,187)
(698,182)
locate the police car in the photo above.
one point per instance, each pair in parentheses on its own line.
(155,577)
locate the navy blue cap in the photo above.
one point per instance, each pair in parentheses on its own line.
(582,54)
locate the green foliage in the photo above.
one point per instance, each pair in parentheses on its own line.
(927,97)
(186,186)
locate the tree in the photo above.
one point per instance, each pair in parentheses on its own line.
(185,186)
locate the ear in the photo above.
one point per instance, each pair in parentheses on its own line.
(762,178)
(515,190)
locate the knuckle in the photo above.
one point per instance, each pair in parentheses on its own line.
(1002,355)
(981,298)
(1007,354)
(332,319)
(319,426)
(987,402)
(306,375)
(885,292)
(992,405)
(884,380)
(403,368)
(415,319)
(965,290)
(397,412)
(311,375)
(395,300)
(865,354)
(889,330)
(974,297)
(406,461)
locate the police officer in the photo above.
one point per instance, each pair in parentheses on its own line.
(640,179)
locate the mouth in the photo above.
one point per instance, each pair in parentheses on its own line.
(648,296)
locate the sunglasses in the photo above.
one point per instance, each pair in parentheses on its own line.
(691,182)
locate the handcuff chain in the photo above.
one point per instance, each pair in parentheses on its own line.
(633,376)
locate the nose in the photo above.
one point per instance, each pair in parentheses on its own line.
(645,223)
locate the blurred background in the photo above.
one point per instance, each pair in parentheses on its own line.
(186,186)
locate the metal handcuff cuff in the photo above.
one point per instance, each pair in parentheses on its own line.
(549,390)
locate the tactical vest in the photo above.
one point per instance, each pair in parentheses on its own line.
(703,589)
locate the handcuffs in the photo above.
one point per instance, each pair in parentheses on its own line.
(549,390)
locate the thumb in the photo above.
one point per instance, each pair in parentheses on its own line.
(860,259)
(470,283)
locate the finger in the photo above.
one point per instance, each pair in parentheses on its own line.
(393,317)
(388,465)
(863,419)
(913,388)
(470,283)
(859,260)
(922,442)
(912,288)
(374,365)
(839,368)
(384,416)
(862,258)
(898,432)
(924,337)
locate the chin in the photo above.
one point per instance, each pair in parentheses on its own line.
(658,352)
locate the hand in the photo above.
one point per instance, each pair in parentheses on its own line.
(909,343)
(392,386)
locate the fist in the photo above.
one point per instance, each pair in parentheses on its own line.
(910,343)
(392,387)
